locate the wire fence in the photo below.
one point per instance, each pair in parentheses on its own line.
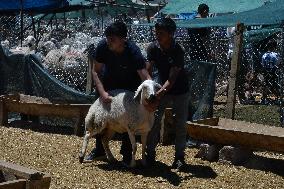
(62,47)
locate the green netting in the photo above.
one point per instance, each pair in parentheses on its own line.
(268,14)
(21,73)
(216,6)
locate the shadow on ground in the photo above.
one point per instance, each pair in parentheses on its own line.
(42,128)
(266,164)
(161,170)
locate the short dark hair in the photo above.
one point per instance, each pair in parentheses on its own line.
(117,28)
(166,24)
(202,8)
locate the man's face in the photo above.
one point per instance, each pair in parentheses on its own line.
(163,37)
(115,43)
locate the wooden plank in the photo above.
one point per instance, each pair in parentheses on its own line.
(3,113)
(235,64)
(78,129)
(20,171)
(62,110)
(14,184)
(248,135)
(43,183)
(33,99)
(208,121)
(89,76)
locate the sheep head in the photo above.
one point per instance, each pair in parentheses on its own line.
(146,92)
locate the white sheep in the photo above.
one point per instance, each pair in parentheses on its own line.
(30,42)
(126,113)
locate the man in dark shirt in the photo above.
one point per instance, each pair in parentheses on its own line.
(118,64)
(167,56)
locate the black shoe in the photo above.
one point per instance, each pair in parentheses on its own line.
(126,160)
(150,159)
(178,164)
(94,155)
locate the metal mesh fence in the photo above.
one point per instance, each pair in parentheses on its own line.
(62,47)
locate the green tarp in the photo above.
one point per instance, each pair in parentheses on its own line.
(216,6)
(268,14)
(120,6)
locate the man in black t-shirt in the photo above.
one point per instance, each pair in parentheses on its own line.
(118,64)
(167,56)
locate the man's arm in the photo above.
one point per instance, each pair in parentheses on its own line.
(144,74)
(174,71)
(96,72)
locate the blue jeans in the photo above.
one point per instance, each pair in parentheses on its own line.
(179,104)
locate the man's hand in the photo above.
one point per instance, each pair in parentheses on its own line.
(106,98)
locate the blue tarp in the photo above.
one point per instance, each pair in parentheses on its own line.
(31,5)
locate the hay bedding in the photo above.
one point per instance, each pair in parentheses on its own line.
(57,154)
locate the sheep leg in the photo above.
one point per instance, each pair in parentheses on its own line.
(87,136)
(105,140)
(144,142)
(134,148)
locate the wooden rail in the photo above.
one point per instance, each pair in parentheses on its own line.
(241,133)
(26,178)
(38,106)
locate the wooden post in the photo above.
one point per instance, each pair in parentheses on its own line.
(89,76)
(235,64)
(3,113)
(281,79)
(64,14)
(22,23)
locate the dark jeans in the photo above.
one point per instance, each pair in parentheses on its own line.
(125,150)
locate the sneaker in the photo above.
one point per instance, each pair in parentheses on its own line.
(93,156)
(126,160)
(150,159)
(178,164)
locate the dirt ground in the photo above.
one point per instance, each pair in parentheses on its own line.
(57,154)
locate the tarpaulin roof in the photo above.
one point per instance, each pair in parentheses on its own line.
(117,7)
(14,6)
(268,14)
(215,6)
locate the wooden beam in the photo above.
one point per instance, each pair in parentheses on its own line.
(43,183)
(3,113)
(20,171)
(89,75)
(62,110)
(14,184)
(232,132)
(235,63)
(38,106)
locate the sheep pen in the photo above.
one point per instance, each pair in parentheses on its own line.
(57,154)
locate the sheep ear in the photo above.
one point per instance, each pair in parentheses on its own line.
(138,92)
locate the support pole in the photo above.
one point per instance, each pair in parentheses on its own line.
(235,64)
(34,28)
(89,75)
(281,78)
(22,23)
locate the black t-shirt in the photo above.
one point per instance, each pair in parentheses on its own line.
(120,70)
(164,61)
